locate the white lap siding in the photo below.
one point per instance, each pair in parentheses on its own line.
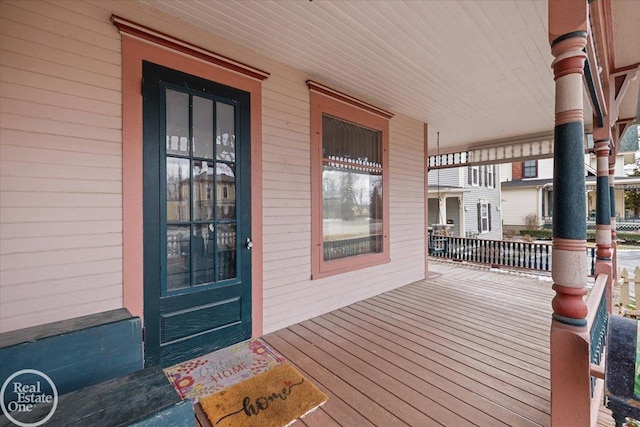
(61,172)
(60,163)
(289,294)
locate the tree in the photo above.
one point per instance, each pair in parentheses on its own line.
(348,196)
(375,205)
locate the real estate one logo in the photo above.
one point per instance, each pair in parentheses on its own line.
(25,390)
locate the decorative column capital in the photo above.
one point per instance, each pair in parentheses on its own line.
(602,148)
(569,56)
(568,65)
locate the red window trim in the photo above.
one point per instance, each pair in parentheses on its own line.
(134,51)
(355,111)
(145,33)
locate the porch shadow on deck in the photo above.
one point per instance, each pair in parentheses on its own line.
(468,347)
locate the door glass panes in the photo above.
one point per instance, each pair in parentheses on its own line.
(202,127)
(203,190)
(226,196)
(178,257)
(178,194)
(200,190)
(225,132)
(226,251)
(351,189)
(177,120)
(204,248)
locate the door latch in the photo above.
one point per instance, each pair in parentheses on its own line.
(249,243)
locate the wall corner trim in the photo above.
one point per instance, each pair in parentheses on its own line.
(145,33)
(347,99)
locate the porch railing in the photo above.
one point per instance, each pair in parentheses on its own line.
(630,301)
(335,249)
(597,326)
(522,255)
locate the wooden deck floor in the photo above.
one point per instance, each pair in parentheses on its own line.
(469,347)
(466,347)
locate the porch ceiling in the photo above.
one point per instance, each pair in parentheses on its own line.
(476,71)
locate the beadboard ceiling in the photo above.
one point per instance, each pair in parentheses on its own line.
(476,71)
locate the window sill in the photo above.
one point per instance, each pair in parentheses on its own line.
(345,265)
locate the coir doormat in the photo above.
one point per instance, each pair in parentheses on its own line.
(274,398)
(215,371)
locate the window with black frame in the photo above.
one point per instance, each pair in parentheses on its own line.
(530,169)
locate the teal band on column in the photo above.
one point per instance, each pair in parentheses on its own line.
(612,199)
(569,200)
(603,210)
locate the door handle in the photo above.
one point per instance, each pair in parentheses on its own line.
(249,243)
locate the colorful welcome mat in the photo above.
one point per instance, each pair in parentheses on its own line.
(274,398)
(215,371)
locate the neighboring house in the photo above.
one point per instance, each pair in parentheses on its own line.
(527,190)
(469,201)
(626,159)
(527,187)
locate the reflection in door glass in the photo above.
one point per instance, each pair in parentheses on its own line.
(177,189)
(200,190)
(202,127)
(177,122)
(226,191)
(203,253)
(203,190)
(178,257)
(225,132)
(226,251)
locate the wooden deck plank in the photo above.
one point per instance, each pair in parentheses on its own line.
(406,357)
(426,377)
(525,320)
(447,374)
(404,385)
(488,346)
(468,297)
(605,419)
(509,301)
(316,418)
(475,321)
(342,397)
(396,411)
(448,349)
(417,300)
(476,325)
(412,357)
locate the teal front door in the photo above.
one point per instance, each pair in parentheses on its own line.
(197,236)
